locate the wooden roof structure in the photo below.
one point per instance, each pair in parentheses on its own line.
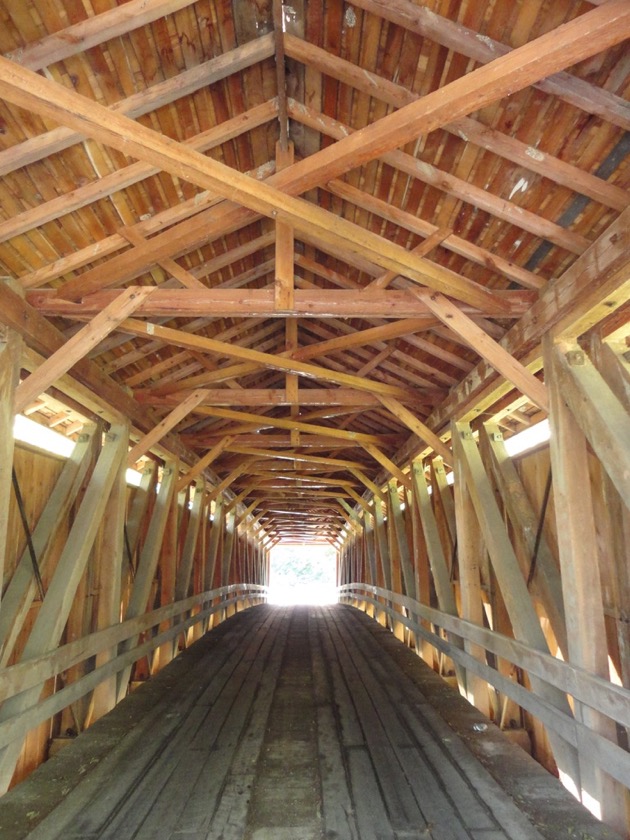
(292,242)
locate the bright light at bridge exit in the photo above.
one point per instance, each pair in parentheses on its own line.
(303,574)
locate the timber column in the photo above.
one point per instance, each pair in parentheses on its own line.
(10,360)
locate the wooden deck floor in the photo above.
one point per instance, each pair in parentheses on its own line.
(293,724)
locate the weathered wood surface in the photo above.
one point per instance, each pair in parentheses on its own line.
(293,723)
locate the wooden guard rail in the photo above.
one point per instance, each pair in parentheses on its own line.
(34,672)
(593,691)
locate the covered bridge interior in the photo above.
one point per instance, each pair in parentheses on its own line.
(302,273)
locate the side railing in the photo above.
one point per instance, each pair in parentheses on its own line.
(22,678)
(592,691)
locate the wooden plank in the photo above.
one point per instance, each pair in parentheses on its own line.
(77,347)
(576,40)
(53,614)
(94,30)
(204,462)
(523,616)
(417,427)
(581,582)
(453,35)
(166,425)
(546,581)
(600,415)
(10,359)
(147,563)
(21,589)
(437,560)
(186,82)
(493,352)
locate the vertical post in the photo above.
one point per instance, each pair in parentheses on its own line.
(581,583)
(437,560)
(22,587)
(109,556)
(148,562)
(227,556)
(10,360)
(469,549)
(56,606)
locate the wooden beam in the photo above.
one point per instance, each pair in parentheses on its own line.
(97,29)
(546,581)
(148,562)
(452,34)
(10,360)
(259,303)
(188,280)
(387,463)
(581,578)
(275,362)
(600,415)
(417,427)
(466,128)
(409,221)
(454,186)
(523,616)
(284,267)
(437,560)
(253,397)
(185,568)
(493,352)
(163,93)
(79,345)
(575,301)
(55,609)
(204,462)
(361,337)
(164,426)
(22,588)
(576,40)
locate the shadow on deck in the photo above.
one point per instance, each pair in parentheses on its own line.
(294,724)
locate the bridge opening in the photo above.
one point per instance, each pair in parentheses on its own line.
(302,573)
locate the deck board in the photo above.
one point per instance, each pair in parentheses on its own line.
(283,724)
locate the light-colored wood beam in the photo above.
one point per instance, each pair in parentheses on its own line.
(268,360)
(387,463)
(204,462)
(578,39)
(417,427)
(578,92)
(94,30)
(76,348)
(258,303)
(493,352)
(473,131)
(187,82)
(164,426)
